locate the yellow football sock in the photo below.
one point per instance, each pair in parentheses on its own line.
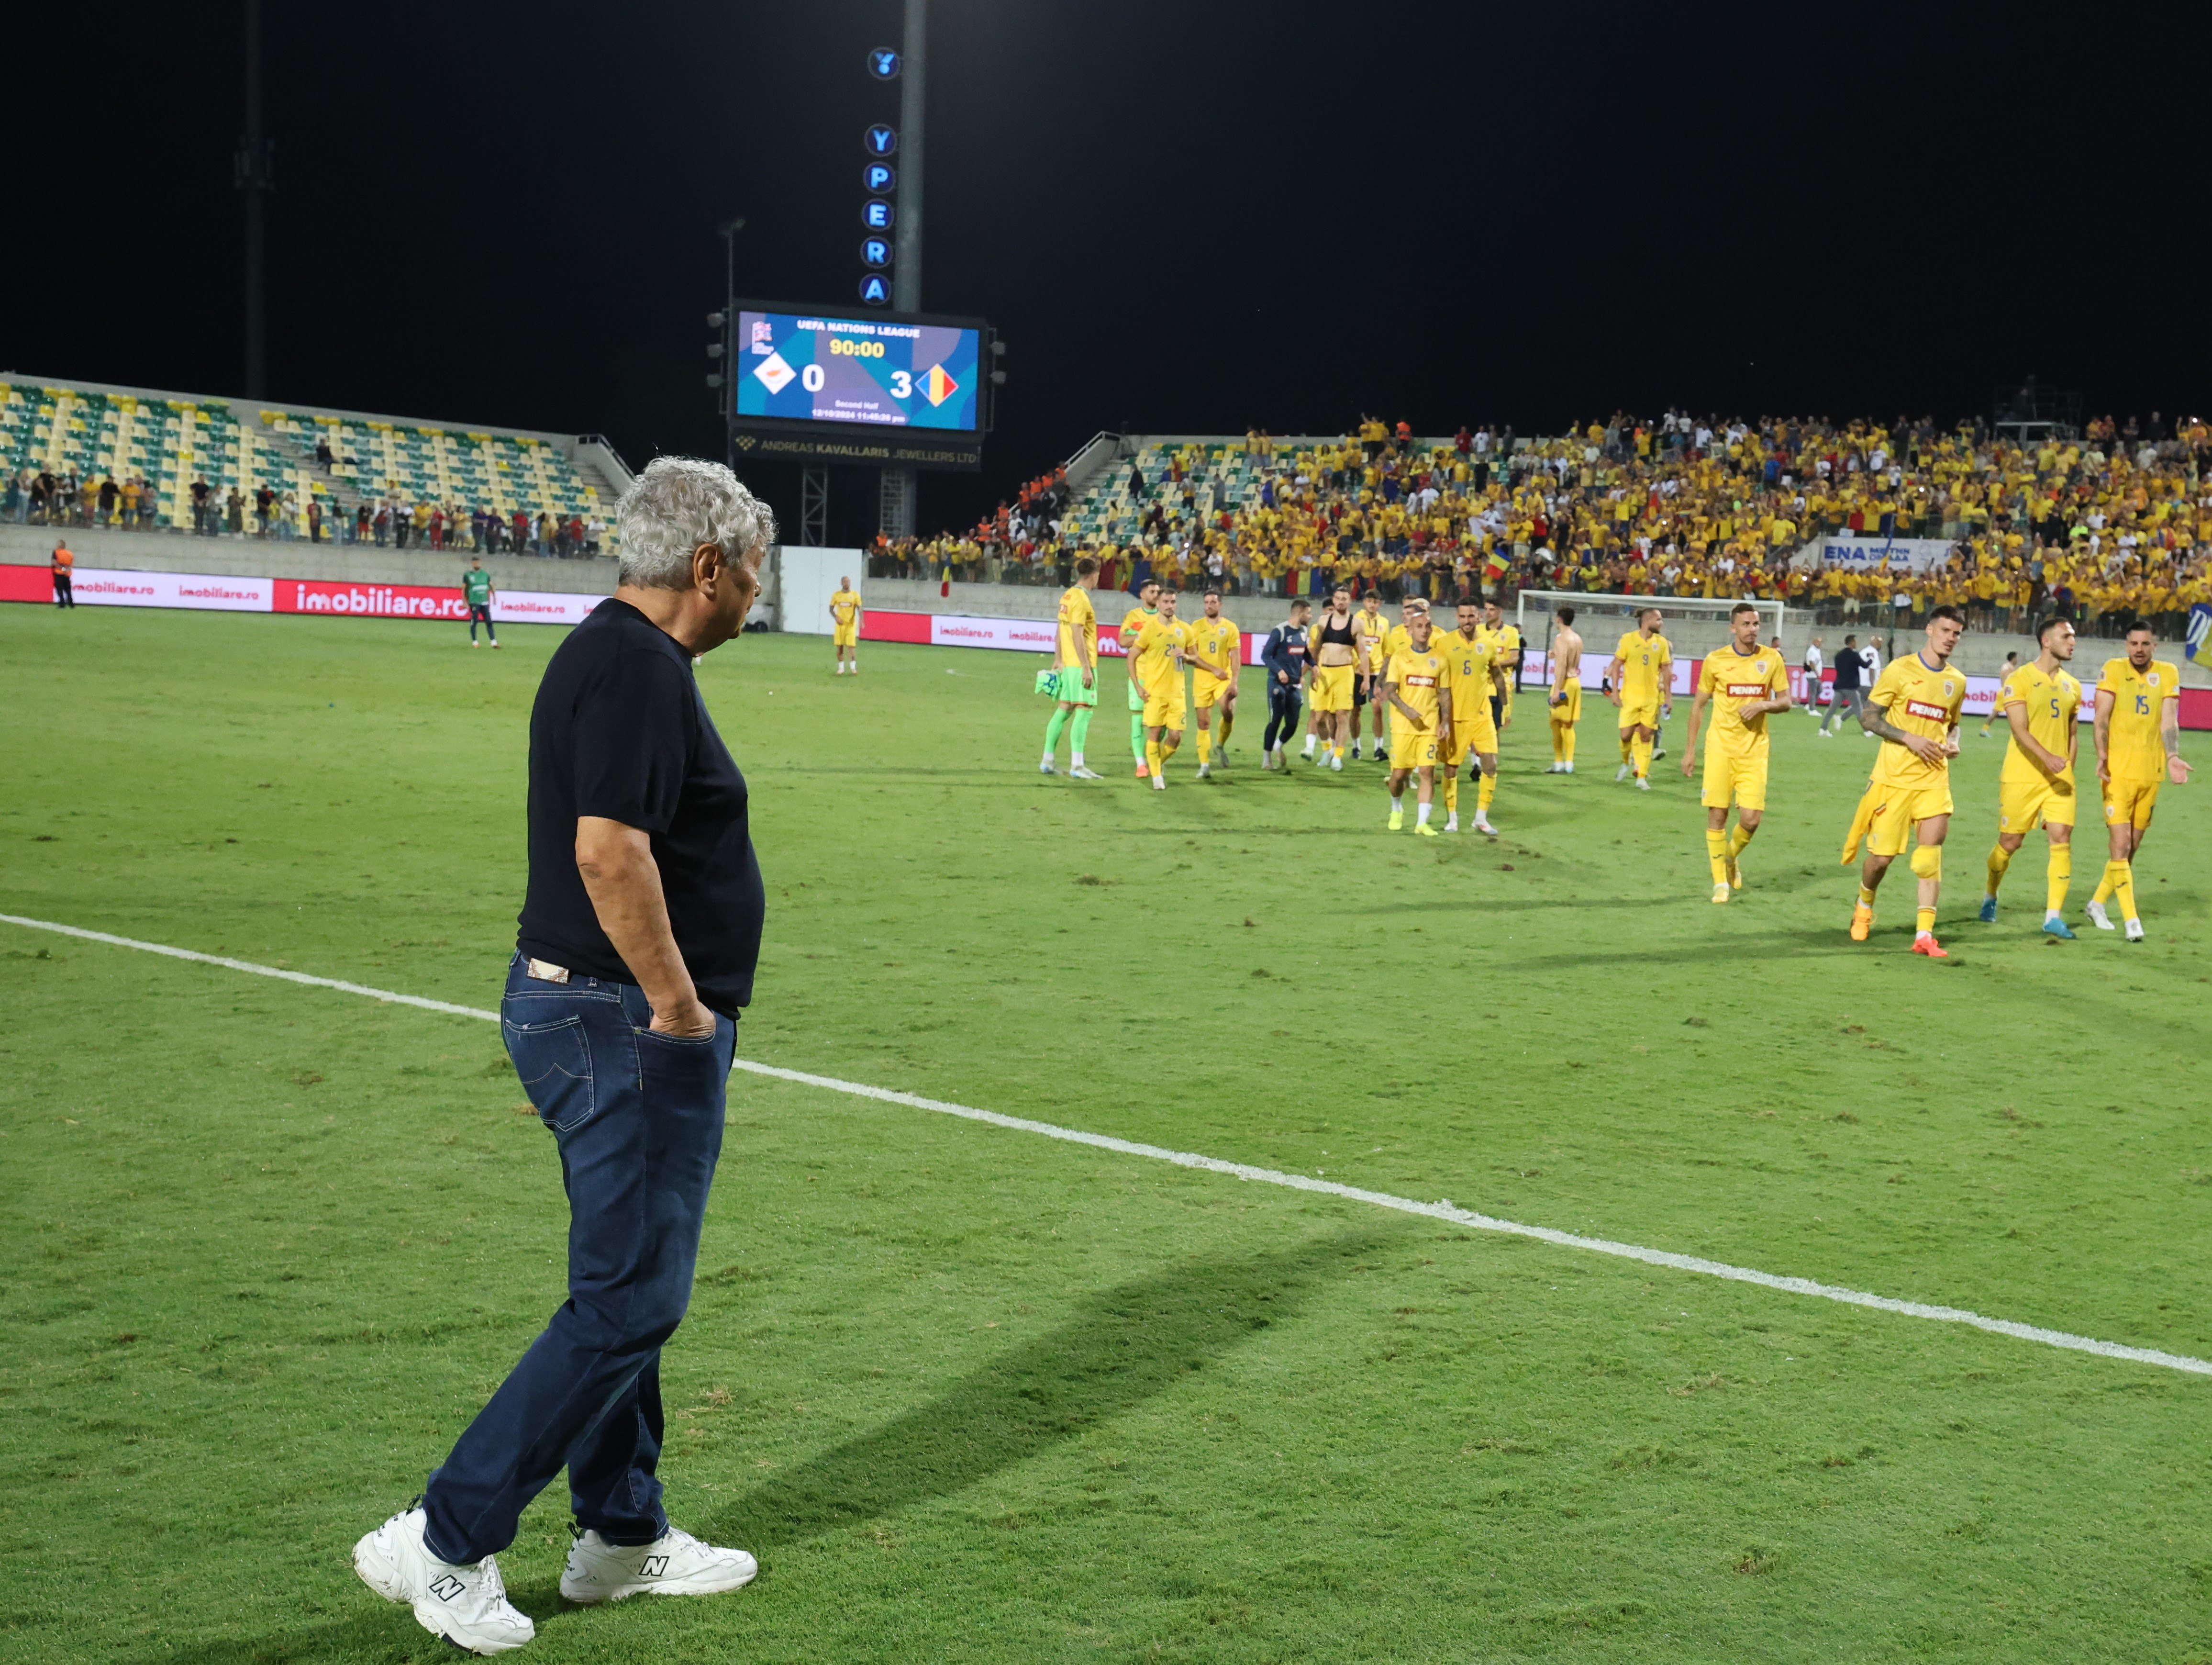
(1866,898)
(1716,853)
(1154,756)
(1168,749)
(1451,793)
(1627,755)
(1228,721)
(1559,744)
(1205,746)
(2123,875)
(1924,921)
(1485,793)
(2060,874)
(1739,838)
(2104,884)
(2000,858)
(1640,755)
(1567,743)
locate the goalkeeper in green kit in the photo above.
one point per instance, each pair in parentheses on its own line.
(477,589)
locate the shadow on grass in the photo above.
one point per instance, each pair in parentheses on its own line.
(1121,1347)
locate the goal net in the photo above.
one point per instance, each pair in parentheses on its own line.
(1695,625)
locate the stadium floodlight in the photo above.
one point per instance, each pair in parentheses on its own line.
(714,350)
(715,320)
(1596,616)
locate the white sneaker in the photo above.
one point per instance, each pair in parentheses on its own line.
(1566,768)
(1451,823)
(1203,769)
(674,1563)
(1621,773)
(2098,916)
(466,1605)
(1046,768)
(473,642)
(1336,762)
(1080,773)
(494,644)
(1643,785)
(2135,931)
(1482,824)
(1160,781)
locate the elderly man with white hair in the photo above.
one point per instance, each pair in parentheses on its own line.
(639,930)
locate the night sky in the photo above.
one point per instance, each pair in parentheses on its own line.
(1181,216)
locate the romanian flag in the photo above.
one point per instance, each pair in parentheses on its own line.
(944,584)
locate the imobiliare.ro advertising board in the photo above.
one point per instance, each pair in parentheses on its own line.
(102,586)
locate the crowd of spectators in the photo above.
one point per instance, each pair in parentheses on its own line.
(2111,523)
(36,497)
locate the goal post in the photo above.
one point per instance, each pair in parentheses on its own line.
(1601,617)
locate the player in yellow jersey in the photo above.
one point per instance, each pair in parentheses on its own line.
(845,627)
(1477,684)
(1564,704)
(1146,609)
(1504,641)
(1416,684)
(2138,749)
(1746,685)
(2041,702)
(1162,649)
(1640,680)
(1914,708)
(1074,671)
(1332,653)
(1370,633)
(1216,649)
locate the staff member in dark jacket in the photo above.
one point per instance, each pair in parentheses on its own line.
(639,931)
(1284,659)
(1849,700)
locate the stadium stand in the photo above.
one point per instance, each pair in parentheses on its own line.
(2104,527)
(87,454)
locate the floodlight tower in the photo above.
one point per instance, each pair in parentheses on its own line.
(896,506)
(254,176)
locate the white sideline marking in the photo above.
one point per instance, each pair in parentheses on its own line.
(1438,1211)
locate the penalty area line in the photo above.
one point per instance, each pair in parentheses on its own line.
(1441,1209)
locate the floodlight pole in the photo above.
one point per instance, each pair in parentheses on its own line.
(895,504)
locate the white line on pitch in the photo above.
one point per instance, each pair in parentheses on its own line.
(1438,1211)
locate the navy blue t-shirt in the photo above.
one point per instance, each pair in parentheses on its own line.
(619,731)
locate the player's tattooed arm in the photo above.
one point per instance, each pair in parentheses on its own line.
(2169,731)
(1873,718)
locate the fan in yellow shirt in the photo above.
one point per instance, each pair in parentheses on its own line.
(1215,648)
(2138,750)
(1134,622)
(1746,683)
(2041,703)
(1156,671)
(1639,680)
(845,627)
(1476,677)
(1416,684)
(1913,707)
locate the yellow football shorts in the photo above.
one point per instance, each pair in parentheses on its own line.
(1207,691)
(1896,811)
(2131,801)
(1570,708)
(847,637)
(1166,710)
(1639,714)
(1410,748)
(2024,805)
(1332,688)
(1732,779)
(1476,733)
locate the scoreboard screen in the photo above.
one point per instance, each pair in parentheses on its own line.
(876,372)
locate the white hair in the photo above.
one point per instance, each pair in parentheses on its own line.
(675,506)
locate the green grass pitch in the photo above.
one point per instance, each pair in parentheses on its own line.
(975,1395)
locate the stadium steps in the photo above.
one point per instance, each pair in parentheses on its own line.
(287,442)
(588,470)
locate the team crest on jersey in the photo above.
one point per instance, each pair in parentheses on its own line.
(1947,687)
(2152,680)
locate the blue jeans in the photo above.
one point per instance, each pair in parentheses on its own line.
(638,1118)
